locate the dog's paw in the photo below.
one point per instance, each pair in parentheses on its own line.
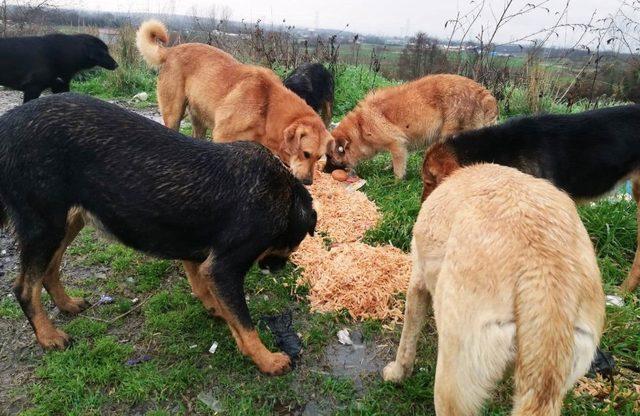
(393,372)
(74,306)
(53,339)
(277,365)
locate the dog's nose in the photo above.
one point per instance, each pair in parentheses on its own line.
(307,181)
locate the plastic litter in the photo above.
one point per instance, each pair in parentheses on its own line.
(354,186)
(344,337)
(213,347)
(210,401)
(603,364)
(286,338)
(104,300)
(138,360)
(141,96)
(614,300)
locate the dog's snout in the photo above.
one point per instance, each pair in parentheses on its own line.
(332,165)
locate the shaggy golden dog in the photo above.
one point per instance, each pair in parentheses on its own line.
(237,101)
(411,115)
(514,282)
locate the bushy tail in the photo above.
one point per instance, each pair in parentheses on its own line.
(545,318)
(147,37)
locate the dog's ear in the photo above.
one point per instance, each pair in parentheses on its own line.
(365,133)
(290,140)
(341,146)
(439,162)
(313,223)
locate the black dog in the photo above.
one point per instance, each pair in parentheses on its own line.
(584,154)
(67,158)
(33,64)
(314,84)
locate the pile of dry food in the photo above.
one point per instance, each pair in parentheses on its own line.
(341,271)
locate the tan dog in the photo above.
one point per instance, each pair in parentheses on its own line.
(237,101)
(410,116)
(514,282)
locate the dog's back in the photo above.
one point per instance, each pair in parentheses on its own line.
(517,282)
(74,145)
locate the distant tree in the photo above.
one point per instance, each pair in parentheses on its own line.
(421,56)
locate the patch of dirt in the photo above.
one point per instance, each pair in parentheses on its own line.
(18,353)
(357,361)
(9,99)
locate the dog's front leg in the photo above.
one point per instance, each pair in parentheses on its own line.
(399,156)
(415,316)
(227,281)
(633,279)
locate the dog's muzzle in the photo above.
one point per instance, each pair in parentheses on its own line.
(332,165)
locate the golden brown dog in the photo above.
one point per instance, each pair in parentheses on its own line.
(237,101)
(514,282)
(412,115)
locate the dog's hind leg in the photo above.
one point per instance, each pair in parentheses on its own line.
(199,127)
(51,279)
(227,280)
(172,101)
(474,352)
(201,286)
(39,241)
(631,282)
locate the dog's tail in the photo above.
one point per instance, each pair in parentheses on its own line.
(147,37)
(550,350)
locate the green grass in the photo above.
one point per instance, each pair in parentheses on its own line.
(353,83)
(9,309)
(120,84)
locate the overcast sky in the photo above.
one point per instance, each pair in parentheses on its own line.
(388,17)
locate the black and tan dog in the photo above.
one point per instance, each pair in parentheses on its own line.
(314,84)
(584,154)
(34,63)
(66,159)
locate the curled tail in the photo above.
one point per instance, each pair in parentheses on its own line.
(551,353)
(147,37)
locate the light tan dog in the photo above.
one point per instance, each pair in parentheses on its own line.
(514,282)
(410,116)
(237,101)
